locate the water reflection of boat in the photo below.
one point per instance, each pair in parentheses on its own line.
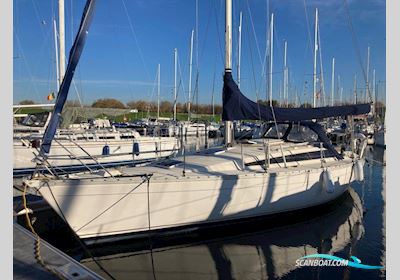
(263,254)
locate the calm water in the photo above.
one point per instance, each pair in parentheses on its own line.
(264,249)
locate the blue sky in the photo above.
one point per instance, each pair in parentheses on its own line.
(128,38)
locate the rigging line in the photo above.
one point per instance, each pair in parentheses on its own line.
(254,79)
(196,94)
(265,63)
(151,94)
(72,40)
(322,82)
(219,33)
(136,39)
(72,21)
(355,45)
(254,31)
(308,25)
(42,22)
(256,88)
(181,82)
(83,246)
(26,64)
(308,44)
(203,47)
(52,76)
(179,85)
(212,94)
(115,203)
(121,51)
(197,35)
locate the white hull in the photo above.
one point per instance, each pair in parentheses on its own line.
(104,207)
(120,151)
(259,255)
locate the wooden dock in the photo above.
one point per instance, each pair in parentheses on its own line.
(26,267)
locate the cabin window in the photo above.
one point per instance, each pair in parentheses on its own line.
(168,164)
(301,133)
(37,119)
(272,132)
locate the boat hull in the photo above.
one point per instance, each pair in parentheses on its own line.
(107,207)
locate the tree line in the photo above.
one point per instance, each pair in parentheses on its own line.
(167,106)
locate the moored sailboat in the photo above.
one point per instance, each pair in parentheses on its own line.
(269,176)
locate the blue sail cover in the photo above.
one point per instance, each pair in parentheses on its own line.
(74,56)
(236,106)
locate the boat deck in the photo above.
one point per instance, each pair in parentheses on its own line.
(221,162)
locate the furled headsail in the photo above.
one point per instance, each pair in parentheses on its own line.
(236,106)
(74,56)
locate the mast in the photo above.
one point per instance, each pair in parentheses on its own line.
(285,77)
(338,87)
(333,80)
(239,49)
(212,98)
(367,82)
(341,96)
(175,77)
(158,91)
(228,62)
(321,68)
(355,89)
(271,49)
(373,91)
(61,34)
(315,59)
(190,72)
(58,81)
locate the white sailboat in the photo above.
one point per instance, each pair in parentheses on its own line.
(74,148)
(264,177)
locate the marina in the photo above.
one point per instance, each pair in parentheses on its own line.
(253,188)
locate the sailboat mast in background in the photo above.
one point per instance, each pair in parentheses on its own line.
(315,59)
(158,91)
(175,77)
(61,34)
(190,73)
(271,53)
(239,49)
(56,52)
